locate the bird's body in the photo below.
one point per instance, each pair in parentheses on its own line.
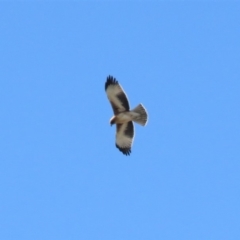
(123,116)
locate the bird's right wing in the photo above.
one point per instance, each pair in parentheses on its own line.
(124,137)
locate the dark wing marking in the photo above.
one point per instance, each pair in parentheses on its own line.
(110,81)
(124,137)
(116,95)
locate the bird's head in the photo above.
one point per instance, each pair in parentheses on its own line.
(112,121)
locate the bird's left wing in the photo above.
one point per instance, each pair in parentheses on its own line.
(124,137)
(116,95)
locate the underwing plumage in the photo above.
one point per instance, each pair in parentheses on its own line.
(123,116)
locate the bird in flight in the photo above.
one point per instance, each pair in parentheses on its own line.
(123,116)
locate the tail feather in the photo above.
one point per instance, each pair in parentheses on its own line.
(142,116)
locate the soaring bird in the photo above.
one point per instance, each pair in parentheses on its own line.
(123,116)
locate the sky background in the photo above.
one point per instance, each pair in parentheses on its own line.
(61,176)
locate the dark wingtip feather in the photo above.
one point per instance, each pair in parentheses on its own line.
(110,80)
(125,151)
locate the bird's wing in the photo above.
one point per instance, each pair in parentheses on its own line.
(116,95)
(124,137)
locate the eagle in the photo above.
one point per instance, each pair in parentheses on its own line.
(123,116)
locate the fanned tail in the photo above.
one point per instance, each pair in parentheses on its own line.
(142,116)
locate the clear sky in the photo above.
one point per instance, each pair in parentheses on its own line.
(61,176)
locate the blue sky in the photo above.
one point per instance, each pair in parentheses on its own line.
(61,176)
